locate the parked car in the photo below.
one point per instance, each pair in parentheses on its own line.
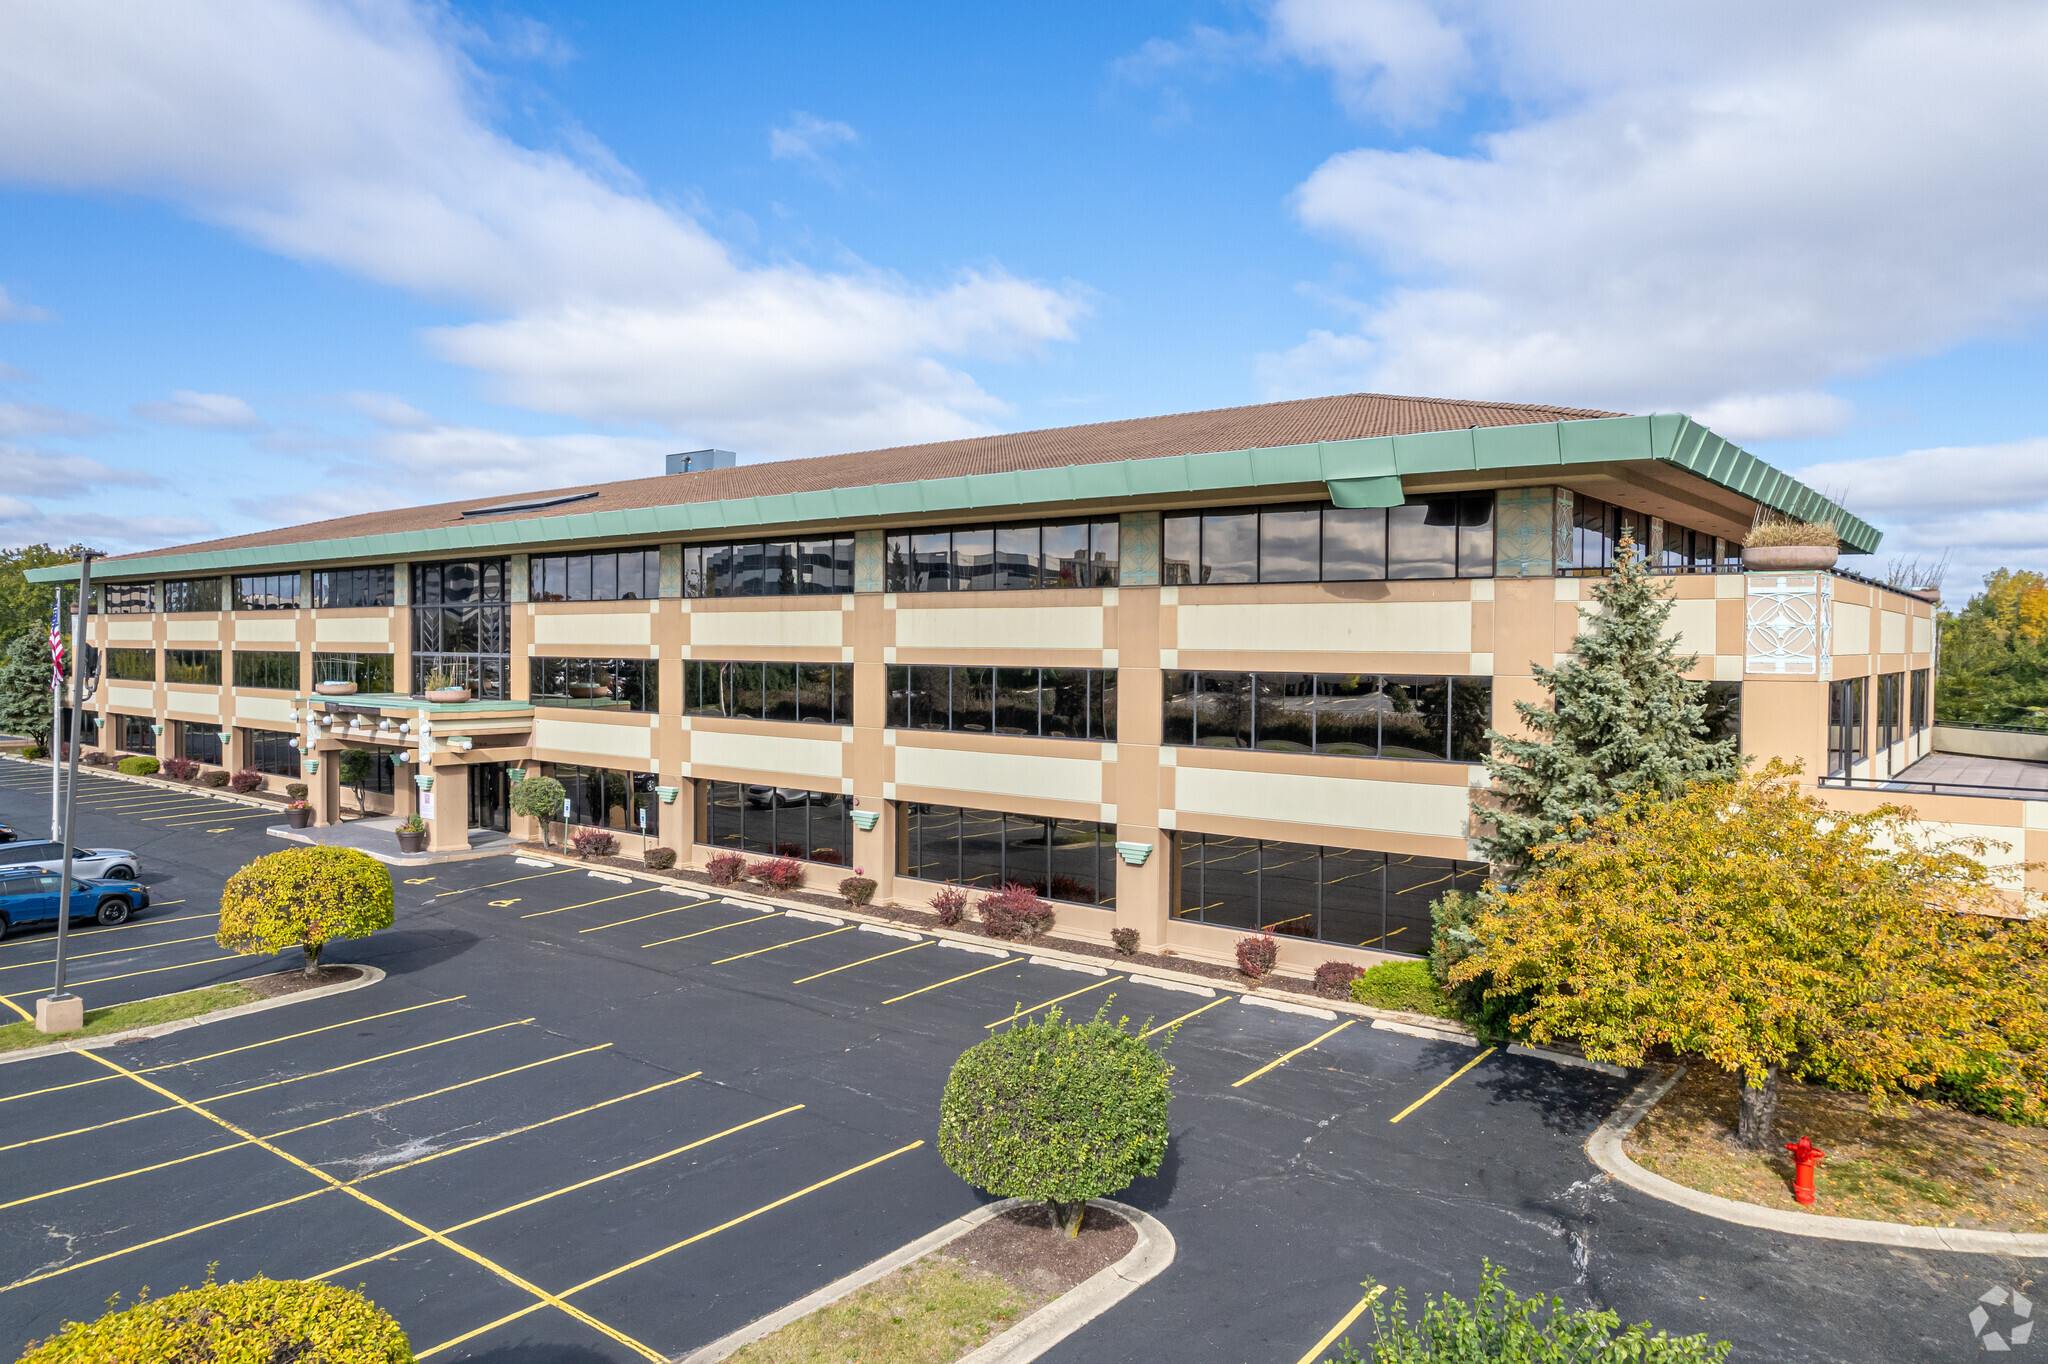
(6,834)
(115,863)
(32,898)
(767,797)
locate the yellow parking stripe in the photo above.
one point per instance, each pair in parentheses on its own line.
(862,962)
(492,885)
(218,814)
(543,913)
(757,919)
(672,909)
(130,975)
(1054,1000)
(109,952)
(119,928)
(937,983)
(1442,1087)
(565,1189)
(687,1241)
(1186,1016)
(779,946)
(545,1298)
(247,1046)
(1279,1060)
(1343,1324)
(224,819)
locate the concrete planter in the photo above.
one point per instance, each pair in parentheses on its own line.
(412,843)
(335,688)
(1789,558)
(298,819)
(449,696)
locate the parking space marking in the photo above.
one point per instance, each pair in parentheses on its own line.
(616,923)
(665,1250)
(118,928)
(366,1061)
(130,975)
(109,952)
(565,1189)
(1315,1352)
(543,913)
(862,962)
(544,1297)
(1280,1060)
(1007,961)
(1054,1000)
(250,1046)
(304,1127)
(1186,1016)
(777,947)
(1442,1087)
(160,1240)
(757,919)
(492,885)
(213,817)
(224,819)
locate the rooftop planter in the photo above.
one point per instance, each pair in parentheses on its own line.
(1785,545)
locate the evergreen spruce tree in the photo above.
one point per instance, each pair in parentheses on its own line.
(1624,718)
(25,689)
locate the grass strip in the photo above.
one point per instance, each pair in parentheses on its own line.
(142,1013)
(930,1312)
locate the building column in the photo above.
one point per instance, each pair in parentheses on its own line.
(323,788)
(448,821)
(1144,893)
(678,830)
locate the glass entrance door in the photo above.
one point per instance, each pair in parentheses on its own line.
(487,807)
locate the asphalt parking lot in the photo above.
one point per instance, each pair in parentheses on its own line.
(586,1118)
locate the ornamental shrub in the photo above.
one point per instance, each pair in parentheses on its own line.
(255,1321)
(1056,1111)
(94,758)
(296,790)
(1126,941)
(1334,978)
(593,843)
(950,904)
(304,897)
(659,859)
(1500,1325)
(539,799)
(778,873)
(216,779)
(1014,912)
(726,868)
(1257,955)
(184,769)
(246,780)
(857,891)
(1402,985)
(35,753)
(139,766)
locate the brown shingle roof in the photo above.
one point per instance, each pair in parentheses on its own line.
(1344,417)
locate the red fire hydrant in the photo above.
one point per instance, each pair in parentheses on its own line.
(1805,1155)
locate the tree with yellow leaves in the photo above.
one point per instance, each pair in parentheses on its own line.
(1746,925)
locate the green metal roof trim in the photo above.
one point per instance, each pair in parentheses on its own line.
(1358,472)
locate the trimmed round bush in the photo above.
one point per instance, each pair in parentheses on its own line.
(245,781)
(296,790)
(304,898)
(1126,941)
(593,843)
(1257,955)
(857,890)
(1014,912)
(93,757)
(1058,1112)
(726,868)
(659,859)
(139,766)
(1334,978)
(255,1321)
(778,873)
(1406,985)
(215,779)
(183,769)
(539,799)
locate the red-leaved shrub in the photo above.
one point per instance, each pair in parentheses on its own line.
(593,843)
(778,873)
(1014,912)
(950,902)
(1256,956)
(726,868)
(1333,978)
(184,769)
(246,780)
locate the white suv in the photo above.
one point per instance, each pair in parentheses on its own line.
(114,864)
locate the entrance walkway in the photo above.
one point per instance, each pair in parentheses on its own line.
(379,838)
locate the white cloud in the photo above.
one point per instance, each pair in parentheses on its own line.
(1723,208)
(202,411)
(253,114)
(22,522)
(811,140)
(388,411)
(13,374)
(27,419)
(45,473)
(10,311)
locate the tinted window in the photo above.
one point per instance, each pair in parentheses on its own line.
(1354,544)
(1289,548)
(1230,548)
(1422,538)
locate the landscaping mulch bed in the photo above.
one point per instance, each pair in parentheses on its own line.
(928,921)
(291,982)
(1037,1259)
(1921,1163)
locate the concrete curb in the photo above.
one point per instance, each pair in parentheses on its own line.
(371,975)
(1606,1147)
(1025,1341)
(1426,1026)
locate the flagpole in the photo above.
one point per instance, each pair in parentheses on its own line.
(56,712)
(61,1011)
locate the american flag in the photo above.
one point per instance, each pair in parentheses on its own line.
(56,642)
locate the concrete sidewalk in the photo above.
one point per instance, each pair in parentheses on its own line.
(379,838)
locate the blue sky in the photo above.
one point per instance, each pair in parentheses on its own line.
(270,262)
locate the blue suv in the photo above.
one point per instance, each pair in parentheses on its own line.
(32,897)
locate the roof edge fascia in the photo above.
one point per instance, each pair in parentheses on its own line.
(1668,438)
